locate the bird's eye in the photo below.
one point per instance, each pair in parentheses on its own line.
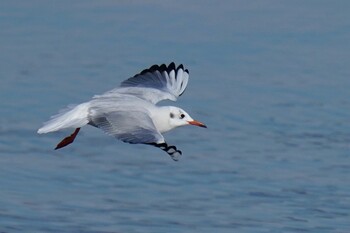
(182,116)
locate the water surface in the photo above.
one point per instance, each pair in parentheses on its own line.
(269,78)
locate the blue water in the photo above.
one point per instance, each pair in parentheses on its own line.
(270,78)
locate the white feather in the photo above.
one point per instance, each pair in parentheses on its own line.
(69,118)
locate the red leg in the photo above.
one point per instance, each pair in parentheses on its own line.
(68,140)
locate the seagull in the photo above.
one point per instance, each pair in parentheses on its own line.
(129,112)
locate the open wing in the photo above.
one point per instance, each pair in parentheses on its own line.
(134,127)
(128,126)
(155,84)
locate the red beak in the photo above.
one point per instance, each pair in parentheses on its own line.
(197,123)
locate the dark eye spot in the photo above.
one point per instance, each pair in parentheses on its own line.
(171,115)
(182,116)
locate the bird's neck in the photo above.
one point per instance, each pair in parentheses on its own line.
(160,117)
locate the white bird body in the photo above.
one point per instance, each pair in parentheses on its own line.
(129,112)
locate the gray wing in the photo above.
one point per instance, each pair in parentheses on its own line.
(134,127)
(128,126)
(155,84)
(127,119)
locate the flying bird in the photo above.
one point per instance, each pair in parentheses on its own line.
(129,112)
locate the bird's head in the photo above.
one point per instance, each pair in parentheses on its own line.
(178,117)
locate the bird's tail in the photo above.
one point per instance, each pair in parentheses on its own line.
(72,117)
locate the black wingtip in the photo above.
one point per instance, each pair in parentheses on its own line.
(154,68)
(162,68)
(174,153)
(171,67)
(180,67)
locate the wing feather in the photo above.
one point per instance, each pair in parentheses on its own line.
(128,126)
(155,83)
